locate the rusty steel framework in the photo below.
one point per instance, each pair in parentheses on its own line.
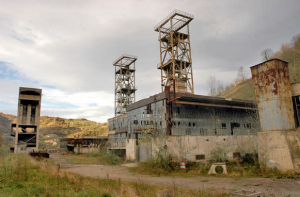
(175,52)
(124,83)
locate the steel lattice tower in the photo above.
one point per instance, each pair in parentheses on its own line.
(175,52)
(124,83)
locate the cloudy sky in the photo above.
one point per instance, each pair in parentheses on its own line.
(67,47)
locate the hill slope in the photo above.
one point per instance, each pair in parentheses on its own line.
(54,128)
(243,90)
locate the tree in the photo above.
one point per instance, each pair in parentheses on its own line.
(242,74)
(212,86)
(267,54)
(290,52)
(220,87)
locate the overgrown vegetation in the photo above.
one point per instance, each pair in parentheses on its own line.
(247,166)
(96,157)
(21,175)
(290,52)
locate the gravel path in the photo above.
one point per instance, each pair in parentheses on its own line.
(277,187)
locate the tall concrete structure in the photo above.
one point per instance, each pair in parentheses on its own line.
(278,143)
(175,52)
(26,130)
(124,83)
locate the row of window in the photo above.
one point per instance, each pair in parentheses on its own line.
(193,124)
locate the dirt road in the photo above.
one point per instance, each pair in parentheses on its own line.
(275,187)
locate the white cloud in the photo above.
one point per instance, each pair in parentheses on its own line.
(71,45)
(97,113)
(83,99)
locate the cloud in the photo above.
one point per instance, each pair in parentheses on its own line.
(70,46)
(94,113)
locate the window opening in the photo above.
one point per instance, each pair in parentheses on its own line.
(223,125)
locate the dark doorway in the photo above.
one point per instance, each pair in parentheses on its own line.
(234,125)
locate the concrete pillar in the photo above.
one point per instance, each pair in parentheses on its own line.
(274,101)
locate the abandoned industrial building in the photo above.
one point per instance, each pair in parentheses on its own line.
(193,124)
(178,124)
(188,127)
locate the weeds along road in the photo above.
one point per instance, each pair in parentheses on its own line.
(277,187)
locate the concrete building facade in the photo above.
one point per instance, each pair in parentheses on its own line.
(26,130)
(189,126)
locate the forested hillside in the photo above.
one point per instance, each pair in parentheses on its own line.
(289,52)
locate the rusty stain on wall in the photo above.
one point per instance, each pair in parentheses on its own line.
(273,95)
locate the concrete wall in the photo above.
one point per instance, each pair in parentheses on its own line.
(273,150)
(131,149)
(188,147)
(82,150)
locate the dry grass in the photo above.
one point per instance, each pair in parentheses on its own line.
(21,175)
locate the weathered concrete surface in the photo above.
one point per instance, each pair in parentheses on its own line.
(293,139)
(273,95)
(187,147)
(278,144)
(273,150)
(131,149)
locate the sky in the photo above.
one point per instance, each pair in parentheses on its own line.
(67,48)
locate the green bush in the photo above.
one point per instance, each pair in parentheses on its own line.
(111,158)
(93,154)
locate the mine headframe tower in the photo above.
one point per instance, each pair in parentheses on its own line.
(175,52)
(26,130)
(124,83)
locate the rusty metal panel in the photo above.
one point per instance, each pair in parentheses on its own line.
(273,95)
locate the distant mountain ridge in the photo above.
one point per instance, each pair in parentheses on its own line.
(55,127)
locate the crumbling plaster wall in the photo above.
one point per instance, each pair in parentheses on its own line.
(185,148)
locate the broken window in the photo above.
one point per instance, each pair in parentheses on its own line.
(296,105)
(223,125)
(178,124)
(149,111)
(200,157)
(178,111)
(237,155)
(189,124)
(248,126)
(194,124)
(201,131)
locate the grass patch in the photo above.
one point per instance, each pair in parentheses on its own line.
(235,169)
(95,157)
(21,175)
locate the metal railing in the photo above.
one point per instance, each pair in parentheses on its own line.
(125,56)
(172,14)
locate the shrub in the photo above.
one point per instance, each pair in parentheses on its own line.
(111,158)
(93,154)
